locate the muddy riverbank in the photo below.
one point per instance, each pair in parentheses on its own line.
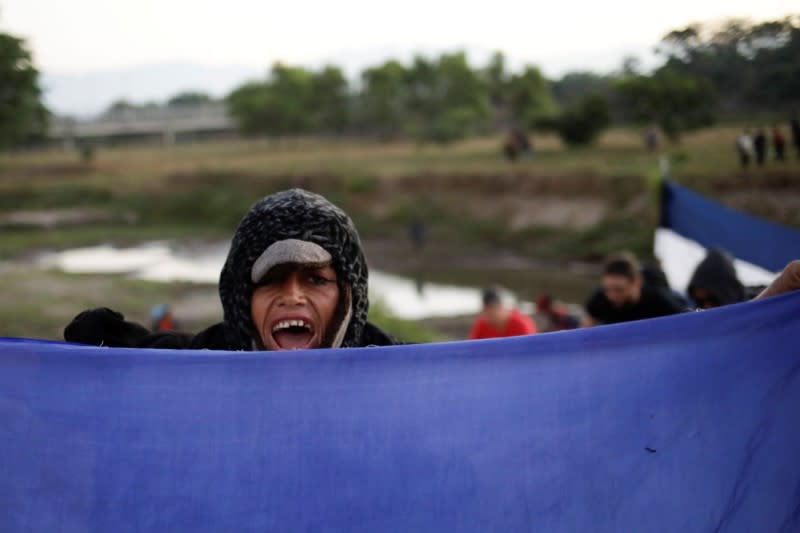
(530,232)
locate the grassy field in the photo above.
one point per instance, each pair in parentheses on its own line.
(618,152)
(472,199)
(204,188)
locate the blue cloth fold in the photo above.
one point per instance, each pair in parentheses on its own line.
(685,423)
(770,246)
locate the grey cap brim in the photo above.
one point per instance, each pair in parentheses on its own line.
(289,251)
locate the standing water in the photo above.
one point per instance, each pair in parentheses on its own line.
(160,261)
(430,292)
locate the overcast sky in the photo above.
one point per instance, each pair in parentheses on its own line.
(70,37)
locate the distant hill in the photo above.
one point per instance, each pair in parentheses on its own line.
(88,94)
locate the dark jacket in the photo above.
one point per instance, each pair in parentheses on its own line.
(105,327)
(653,276)
(653,302)
(292,214)
(716,274)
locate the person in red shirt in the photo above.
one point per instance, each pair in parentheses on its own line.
(162,319)
(497,320)
(779,143)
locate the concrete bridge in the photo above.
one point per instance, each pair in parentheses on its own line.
(156,123)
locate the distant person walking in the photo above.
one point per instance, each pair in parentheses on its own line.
(744,145)
(518,144)
(795,126)
(760,146)
(651,139)
(417,233)
(778,143)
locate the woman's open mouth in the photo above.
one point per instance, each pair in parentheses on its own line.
(293,334)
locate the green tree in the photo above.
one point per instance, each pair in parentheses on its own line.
(382,101)
(529,96)
(582,122)
(290,100)
(330,100)
(447,99)
(497,80)
(753,67)
(281,105)
(423,97)
(575,86)
(777,56)
(676,102)
(189,98)
(23,117)
(248,105)
(121,108)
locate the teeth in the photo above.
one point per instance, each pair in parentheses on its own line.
(284,324)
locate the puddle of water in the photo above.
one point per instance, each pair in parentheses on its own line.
(158,261)
(153,261)
(406,298)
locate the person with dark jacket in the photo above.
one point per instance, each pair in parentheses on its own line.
(794,126)
(760,146)
(625,297)
(653,276)
(295,278)
(714,282)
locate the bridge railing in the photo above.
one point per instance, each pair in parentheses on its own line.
(155,121)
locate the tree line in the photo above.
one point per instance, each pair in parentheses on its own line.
(437,99)
(23,117)
(707,72)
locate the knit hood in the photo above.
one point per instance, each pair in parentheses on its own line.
(717,275)
(301,215)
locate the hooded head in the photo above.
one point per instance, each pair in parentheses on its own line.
(299,228)
(714,281)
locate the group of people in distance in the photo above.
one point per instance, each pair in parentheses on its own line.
(517,145)
(296,278)
(755,146)
(629,291)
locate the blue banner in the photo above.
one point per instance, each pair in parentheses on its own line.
(767,245)
(685,423)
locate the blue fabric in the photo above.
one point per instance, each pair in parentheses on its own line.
(686,423)
(713,225)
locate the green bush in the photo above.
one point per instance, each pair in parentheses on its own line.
(86,152)
(581,124)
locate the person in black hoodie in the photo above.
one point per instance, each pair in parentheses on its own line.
(295,278)
(760,146)
(714,282)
